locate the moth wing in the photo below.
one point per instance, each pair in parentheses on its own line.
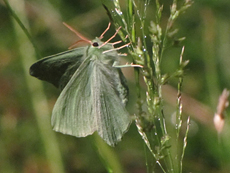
(108,95)
(90,102)
(58,69)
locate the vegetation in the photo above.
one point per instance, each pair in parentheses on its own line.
(172,102)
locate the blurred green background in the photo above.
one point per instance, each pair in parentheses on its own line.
(27,142)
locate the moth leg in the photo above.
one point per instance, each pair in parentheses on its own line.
(118,48)
(116,65)
(122,54)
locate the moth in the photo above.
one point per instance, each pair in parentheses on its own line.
(94,92)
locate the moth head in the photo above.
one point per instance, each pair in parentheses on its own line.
(96,42)
(97,49)
(102,46)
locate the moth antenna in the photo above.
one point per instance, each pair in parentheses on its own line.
(74,44)
(118,48)
(77,33)
(102,35)
(136,65)
(110,38)
(117,42)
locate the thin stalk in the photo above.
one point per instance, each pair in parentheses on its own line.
(161,166)
(179,112)
(158,86)
(146,159)
(108,156)
(184,144)
(179,102)
(131,17)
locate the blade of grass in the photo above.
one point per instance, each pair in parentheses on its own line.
(35,88)
(211,70)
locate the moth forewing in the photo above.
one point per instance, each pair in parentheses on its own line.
(71,113)
(57,69)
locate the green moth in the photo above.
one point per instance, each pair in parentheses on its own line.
(93,90)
